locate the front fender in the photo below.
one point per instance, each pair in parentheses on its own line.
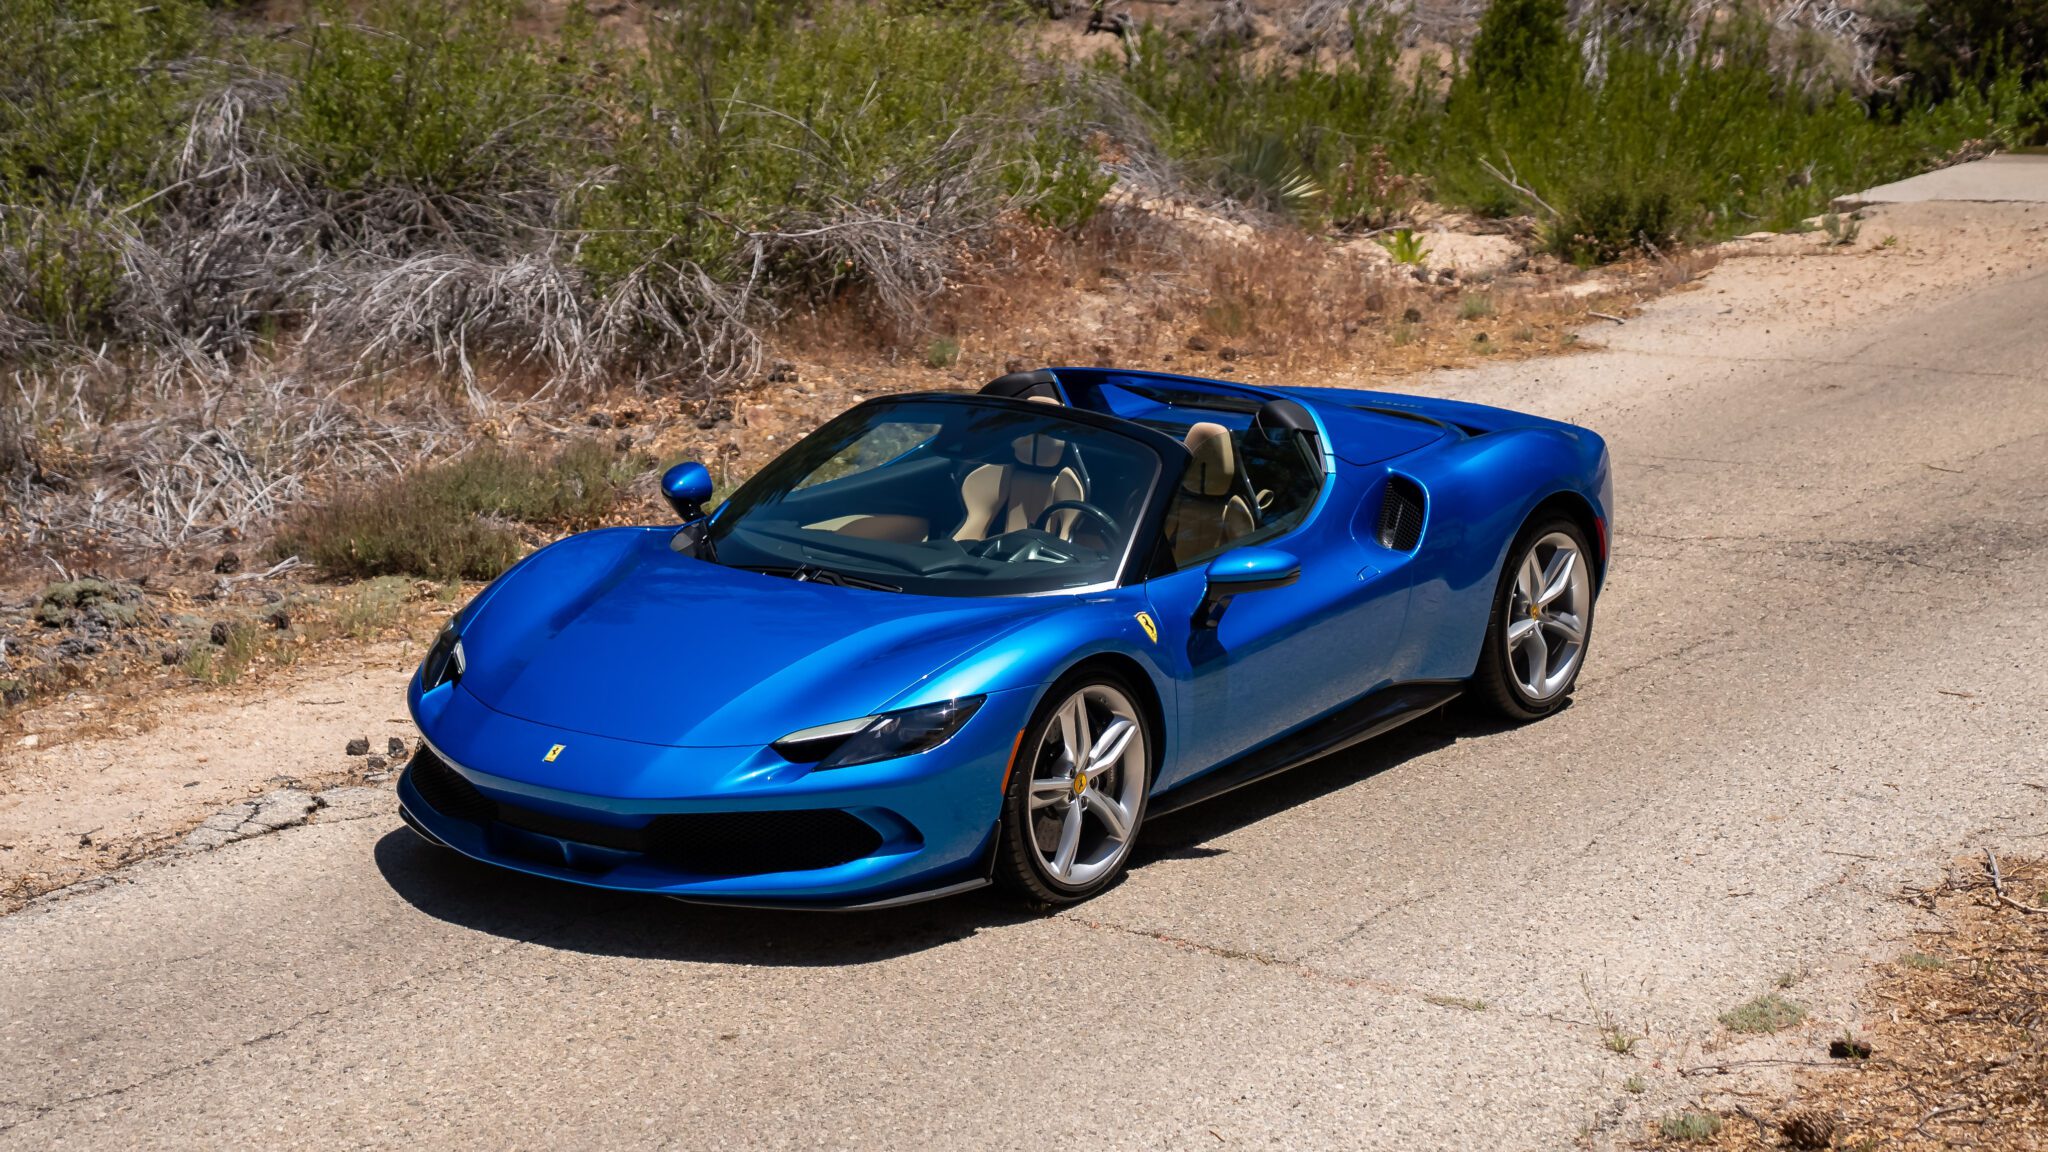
(1034,657)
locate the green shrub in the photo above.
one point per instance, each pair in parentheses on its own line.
(430,95)
(453,520)
(1944,48)
(92,93)
(1288,135)
(826,153)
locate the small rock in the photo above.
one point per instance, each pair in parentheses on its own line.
(280,620)
(228,562)
(375,764)
(353,803)
(360,746)
(28,741)
(394,748)
(1227,352)
(221,631)
(1198,344)
(1412,316)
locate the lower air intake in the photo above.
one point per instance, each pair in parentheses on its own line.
(705,843)
(1401,515)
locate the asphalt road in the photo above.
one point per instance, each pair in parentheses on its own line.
(1816,676)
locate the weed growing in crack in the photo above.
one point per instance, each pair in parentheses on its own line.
(1689,1126)
(1764,1015)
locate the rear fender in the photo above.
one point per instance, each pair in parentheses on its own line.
(1481,490)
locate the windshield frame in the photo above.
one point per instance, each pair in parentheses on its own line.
(1171,457)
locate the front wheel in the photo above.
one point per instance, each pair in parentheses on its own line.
(1076,794)
(1541,623)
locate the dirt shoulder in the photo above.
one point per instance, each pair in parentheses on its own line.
(85,806)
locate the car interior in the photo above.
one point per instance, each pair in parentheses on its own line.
(1001,497)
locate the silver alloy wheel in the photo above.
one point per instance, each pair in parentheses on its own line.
(1547,616)
(1087,786)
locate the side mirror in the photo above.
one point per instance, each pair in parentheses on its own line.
(687,487)
(1244,570)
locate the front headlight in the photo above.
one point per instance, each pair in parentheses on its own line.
(882,737)
(444,663)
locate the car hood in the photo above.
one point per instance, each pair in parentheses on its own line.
(614,633)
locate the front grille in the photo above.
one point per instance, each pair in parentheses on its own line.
(1401,515)
(742,843)
(705,843)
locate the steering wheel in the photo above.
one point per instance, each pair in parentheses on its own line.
(1108,523)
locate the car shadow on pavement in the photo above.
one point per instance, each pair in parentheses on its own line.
(1186,834)
(552,914)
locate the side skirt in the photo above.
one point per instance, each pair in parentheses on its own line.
(1360,720)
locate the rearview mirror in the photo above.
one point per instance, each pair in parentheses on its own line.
(687,487)
(1244,570)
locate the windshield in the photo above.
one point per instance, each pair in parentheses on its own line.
(946,498)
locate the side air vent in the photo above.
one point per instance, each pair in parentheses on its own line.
(1401,515)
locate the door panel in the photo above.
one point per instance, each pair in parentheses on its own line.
(1279,658)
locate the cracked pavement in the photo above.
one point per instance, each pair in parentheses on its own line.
(1816,678)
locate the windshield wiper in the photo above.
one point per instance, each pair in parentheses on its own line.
(813,574)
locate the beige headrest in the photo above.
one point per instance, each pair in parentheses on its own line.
(1214,467)
(1038,451)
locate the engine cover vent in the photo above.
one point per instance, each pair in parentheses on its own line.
(1401,515)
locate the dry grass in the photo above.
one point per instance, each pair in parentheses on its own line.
(1958,1040)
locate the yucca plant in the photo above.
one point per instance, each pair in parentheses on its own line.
(1405,246)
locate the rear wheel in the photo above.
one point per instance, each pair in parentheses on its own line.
(1541,623)
(1077,792)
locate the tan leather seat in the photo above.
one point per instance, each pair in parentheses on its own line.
(1006,497)
(881,526)
(1210,510)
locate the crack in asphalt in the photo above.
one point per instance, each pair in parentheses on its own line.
(1308,971)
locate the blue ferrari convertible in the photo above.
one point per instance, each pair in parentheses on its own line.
(950,640)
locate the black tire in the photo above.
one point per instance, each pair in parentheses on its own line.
(1019,866)
(1497,684)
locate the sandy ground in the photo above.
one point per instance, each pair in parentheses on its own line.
(79,807)
(1816,679)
